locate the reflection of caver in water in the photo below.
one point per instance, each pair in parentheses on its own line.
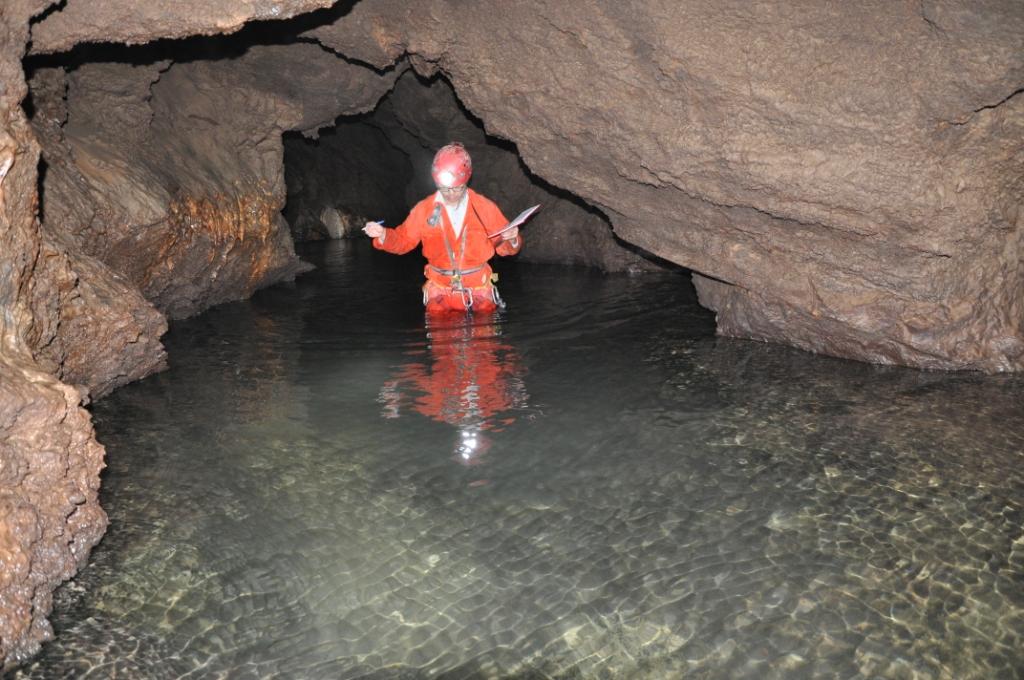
(460,230)
(472,381)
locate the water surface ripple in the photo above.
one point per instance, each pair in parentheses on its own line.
(589,485)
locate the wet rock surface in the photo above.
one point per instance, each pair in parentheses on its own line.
(98,331)
(50,515)
(49,460)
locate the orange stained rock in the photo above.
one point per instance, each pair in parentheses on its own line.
(251,213)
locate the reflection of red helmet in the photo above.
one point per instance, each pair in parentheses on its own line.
(452,166)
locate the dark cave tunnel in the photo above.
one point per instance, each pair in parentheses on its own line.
(375,166)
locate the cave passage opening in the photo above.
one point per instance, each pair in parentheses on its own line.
(202,133)
(375,166)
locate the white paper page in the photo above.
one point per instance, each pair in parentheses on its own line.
(520,218)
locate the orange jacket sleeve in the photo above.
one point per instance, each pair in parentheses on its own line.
(405,236)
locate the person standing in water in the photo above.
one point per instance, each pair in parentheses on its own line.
(460,231)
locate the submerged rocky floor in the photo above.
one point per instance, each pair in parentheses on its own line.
(588,485)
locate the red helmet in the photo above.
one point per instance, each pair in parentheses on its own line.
(452,166)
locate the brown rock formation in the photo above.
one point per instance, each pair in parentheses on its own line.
(49,513)
(49,460)
(848,175)
(172,173)
(132,22)
(98,331)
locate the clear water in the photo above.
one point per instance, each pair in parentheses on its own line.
(590,485)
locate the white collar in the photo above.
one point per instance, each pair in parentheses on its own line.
(460,206)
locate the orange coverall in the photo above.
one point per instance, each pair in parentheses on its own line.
(458,276)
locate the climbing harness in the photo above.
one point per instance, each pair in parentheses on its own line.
(457,272)
(453,272)
(456,282)
(454,293)
(497,298)
(456,275)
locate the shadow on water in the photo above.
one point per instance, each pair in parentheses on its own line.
(588,484)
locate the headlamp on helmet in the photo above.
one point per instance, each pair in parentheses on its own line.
(452,166)
(446,179)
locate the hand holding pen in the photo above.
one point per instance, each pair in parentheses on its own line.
(374,229)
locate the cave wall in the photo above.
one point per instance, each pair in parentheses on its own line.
(172,174)
(95,328)
(132,22)
(49,459)
(845,177)
(378,166)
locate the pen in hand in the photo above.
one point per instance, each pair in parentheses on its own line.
(374,229)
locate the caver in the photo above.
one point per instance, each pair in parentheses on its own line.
(459,230)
